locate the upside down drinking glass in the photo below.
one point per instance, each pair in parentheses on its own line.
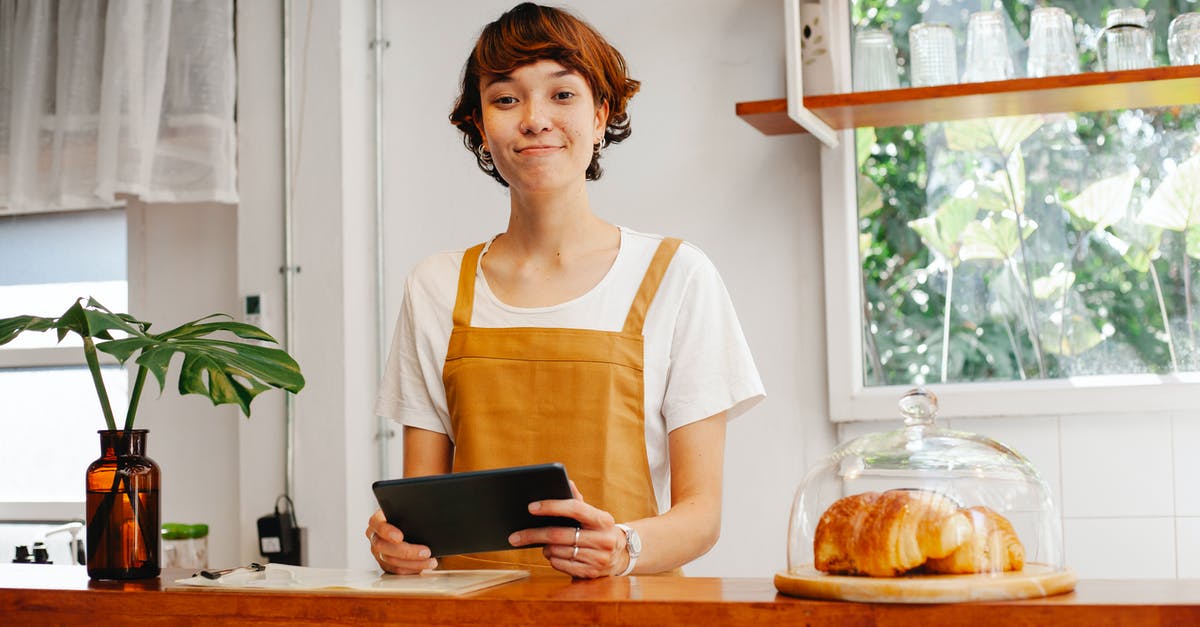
(934,56)
(1052,49)
(988,58)
(1183,39)
(875,66)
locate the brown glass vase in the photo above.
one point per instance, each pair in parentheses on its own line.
(123,515)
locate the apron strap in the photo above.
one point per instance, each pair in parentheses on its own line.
(654,275)
(465,301)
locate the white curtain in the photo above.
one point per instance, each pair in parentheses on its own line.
(103,99)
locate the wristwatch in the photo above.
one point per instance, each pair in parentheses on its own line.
(633,544)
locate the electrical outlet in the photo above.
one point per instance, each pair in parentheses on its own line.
(252,310)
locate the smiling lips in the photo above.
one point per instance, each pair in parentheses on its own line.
(538,149)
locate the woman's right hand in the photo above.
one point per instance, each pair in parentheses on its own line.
(393,554)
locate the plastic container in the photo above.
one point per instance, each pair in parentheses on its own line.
(961,471)
(185,546)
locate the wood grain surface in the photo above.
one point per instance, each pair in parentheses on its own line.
(63,595)
(1090,91)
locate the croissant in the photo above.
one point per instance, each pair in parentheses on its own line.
(992,547)
(884,534)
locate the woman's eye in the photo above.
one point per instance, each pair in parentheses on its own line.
(564,95)
(504,100)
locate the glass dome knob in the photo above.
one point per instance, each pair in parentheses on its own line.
(918,406)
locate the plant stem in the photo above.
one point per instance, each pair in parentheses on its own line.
(1026,314)
(93,362)
(1012,341)
(1162,309)
(135,396)
(946,318)
(1187,302)
(871,348)
(1031,301)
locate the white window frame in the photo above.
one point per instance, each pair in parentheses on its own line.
(851,400)
(47,357)
(53,357)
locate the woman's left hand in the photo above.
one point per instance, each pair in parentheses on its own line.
(595,549)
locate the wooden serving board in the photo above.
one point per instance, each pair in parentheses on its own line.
(1035,580)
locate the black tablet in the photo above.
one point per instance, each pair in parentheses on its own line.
(469,512)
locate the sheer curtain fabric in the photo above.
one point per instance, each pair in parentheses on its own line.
(100,100)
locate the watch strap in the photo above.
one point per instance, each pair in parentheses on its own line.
(631,547)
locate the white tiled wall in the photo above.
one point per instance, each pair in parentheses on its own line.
(1127,486)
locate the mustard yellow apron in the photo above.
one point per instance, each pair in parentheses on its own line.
(529,395)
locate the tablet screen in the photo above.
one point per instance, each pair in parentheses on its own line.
(470,512)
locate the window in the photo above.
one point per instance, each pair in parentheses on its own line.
(50,408)
(1029,264)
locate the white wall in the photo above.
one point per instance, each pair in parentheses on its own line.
(183,265)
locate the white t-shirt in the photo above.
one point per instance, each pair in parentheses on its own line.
(697,363)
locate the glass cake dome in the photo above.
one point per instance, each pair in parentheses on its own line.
(961,473)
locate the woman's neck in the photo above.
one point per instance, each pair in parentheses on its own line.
(551,226)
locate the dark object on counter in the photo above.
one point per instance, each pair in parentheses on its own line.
(279,537)
(40,554)
(22,555)
(254,567)
(470,512)
(123,515)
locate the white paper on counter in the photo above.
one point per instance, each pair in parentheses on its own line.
(286,577)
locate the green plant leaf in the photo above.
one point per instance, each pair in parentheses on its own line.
(1077,335)
(235,372)
(1052,286)
(870,197)
(1015,167)
(1193,242)
(124,348)
(943,230)
(199,328)
(994,237)
(1003,134)
(864,138)
(227,371)
(1136,252)
(10,328)
(1175,205)
(1102,203)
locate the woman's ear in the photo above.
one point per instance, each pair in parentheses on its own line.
(479,127)
(601,120)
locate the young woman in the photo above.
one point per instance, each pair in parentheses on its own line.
(566,338)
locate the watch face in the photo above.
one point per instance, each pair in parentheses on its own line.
(633,541)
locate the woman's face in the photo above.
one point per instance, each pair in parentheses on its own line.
(540,123)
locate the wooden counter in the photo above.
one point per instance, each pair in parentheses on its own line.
(31,594)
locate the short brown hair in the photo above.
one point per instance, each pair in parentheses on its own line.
(529,33)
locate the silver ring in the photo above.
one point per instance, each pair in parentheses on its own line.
(576,543)
(574,552)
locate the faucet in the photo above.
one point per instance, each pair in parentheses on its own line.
(75,545)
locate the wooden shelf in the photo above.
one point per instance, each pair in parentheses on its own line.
(1093,91)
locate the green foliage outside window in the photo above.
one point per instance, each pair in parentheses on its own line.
(1029,247)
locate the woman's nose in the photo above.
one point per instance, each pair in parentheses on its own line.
(534,118)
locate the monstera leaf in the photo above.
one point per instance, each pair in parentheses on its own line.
(223,369)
